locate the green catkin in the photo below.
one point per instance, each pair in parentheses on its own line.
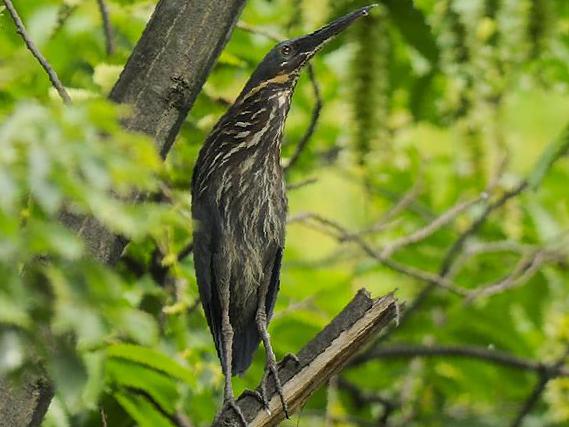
(63,14)
(537,27)
(371,92)
(455,56)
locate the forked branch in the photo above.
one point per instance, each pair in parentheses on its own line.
(327,354)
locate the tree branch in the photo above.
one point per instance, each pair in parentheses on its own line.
(109,41)
(545,376)
(470,352)
(320,359)
(24,405)
(21,29)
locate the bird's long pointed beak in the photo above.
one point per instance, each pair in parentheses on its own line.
(312,43)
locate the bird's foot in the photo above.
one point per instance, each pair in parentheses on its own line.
(272,368)
(230,403)
(262,399)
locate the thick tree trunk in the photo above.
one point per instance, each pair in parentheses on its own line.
(161,80)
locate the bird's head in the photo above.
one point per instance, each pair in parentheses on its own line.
(282,65)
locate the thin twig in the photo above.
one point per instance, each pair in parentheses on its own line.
(186,251)
(531,400)
(476,248)
(525,269)
(300,184)
(109,40)
(470,352)
(432,227)
(457,247)
(362,398)
(301,146)
(388,219)
(259,31)
(103,417)
(341,234)
(546,375)
(21,30)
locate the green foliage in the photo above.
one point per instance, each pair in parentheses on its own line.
(423,94)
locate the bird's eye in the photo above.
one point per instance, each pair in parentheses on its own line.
(286,50)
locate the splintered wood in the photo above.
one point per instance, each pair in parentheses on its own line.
(360,321)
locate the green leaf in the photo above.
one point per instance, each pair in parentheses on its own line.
(70,376)
(142,411)
(153,359)
(160,387)
(556,149)
(414,28)
(138,325)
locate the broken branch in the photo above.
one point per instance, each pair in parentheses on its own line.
(324,356)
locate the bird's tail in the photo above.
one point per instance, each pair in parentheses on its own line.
(245,342)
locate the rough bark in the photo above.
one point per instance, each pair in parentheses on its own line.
(357,325)
(24,405)
(161,80)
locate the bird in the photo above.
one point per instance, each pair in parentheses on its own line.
(239,209)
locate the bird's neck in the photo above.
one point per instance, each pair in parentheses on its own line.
(262,115)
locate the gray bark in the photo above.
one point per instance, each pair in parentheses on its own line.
(161,80)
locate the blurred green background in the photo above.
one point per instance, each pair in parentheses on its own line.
(434,100)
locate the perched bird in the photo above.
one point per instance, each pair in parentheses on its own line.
(239,209)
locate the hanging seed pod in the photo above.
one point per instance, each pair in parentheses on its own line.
(537,27)
(371,97)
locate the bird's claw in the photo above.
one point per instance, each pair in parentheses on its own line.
(230,403)
(260,397)
(273,369)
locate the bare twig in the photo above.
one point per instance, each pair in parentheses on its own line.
(476,248)
(319,360)
(388,219)
(260,31)
(300,184)
(300,147)
(362,398)
(186,251)
(458,245)
(531,400)
(414,205)
(109,40)
(21,30)
(432,227)
(103,417)
(337,231)
(469,352)
(404,202)
(525,269)
(63,14)
(546,375)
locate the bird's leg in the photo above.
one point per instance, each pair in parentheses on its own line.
(271,363)
(227,337)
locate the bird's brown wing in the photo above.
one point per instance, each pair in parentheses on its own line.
(274,284)
(205,243)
